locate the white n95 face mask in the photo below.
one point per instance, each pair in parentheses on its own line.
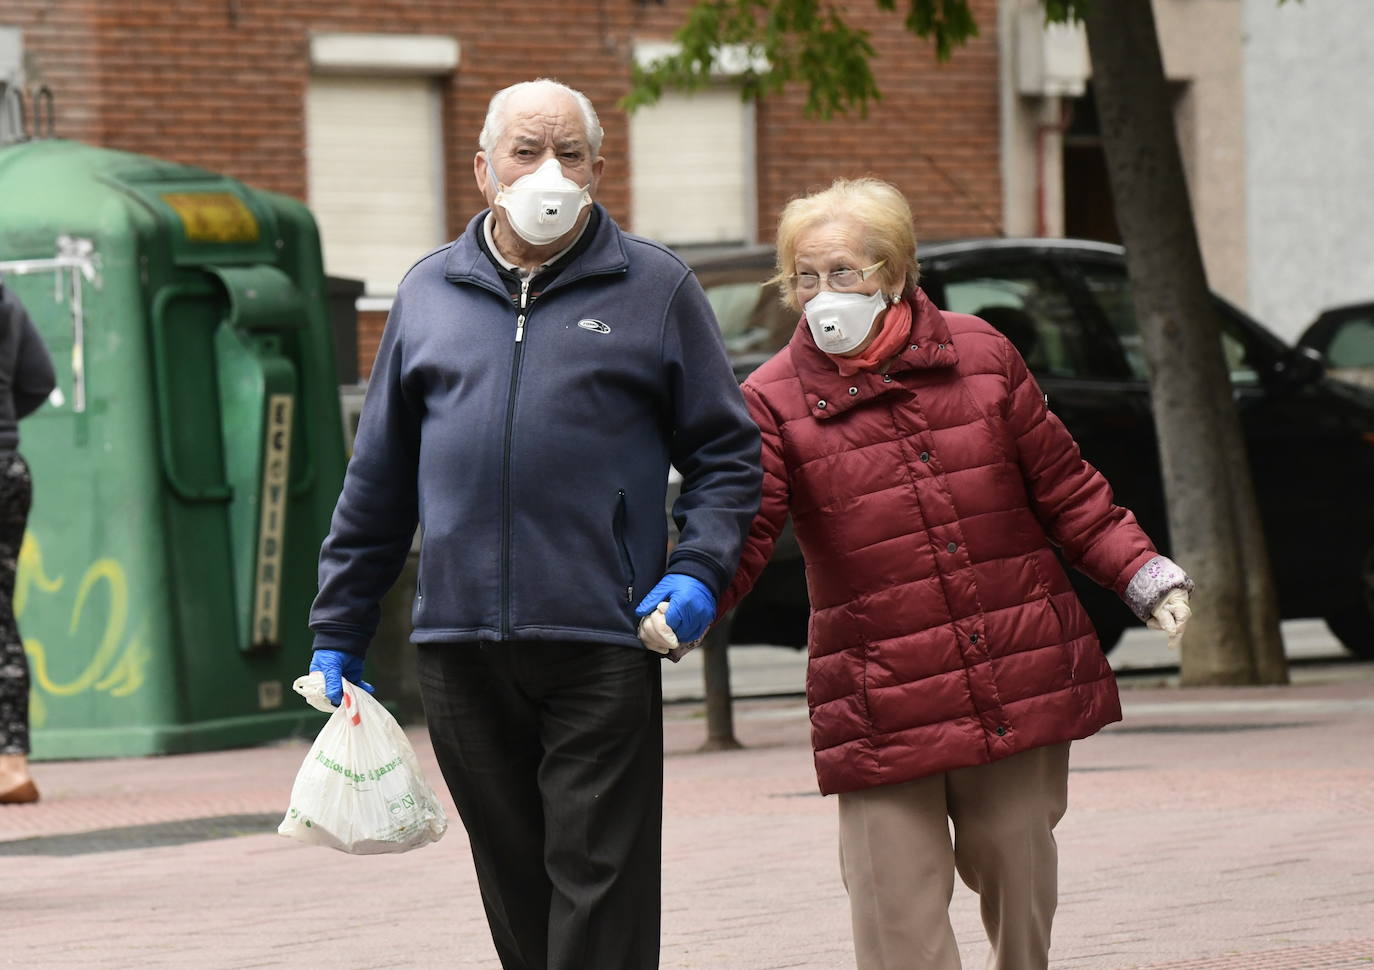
(544,204)
(839,322)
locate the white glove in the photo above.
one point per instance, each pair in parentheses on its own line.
(311,687)
(654,631)
(1171,615)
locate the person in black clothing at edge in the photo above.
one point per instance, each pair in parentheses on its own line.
(536,378)
(26,380)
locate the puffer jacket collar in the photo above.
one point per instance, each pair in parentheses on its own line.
(466,263)
(828,392)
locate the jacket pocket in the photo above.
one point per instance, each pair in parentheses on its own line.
(1066,659)
(1063,634)
(627,568)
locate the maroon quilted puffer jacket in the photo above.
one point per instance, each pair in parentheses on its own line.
(944,632)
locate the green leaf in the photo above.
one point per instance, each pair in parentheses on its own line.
(949,23)
(1065,11)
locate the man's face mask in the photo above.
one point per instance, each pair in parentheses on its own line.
(543,205)
(839,322)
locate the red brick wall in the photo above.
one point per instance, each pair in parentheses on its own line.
(189,81)
(935,134)
(370,324)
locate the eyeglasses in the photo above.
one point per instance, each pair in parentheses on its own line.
(839,279)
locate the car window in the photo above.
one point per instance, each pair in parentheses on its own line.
(1031,307)
(1352,345)
(733,305)
(1110,287)
(1112,292)
(752,319)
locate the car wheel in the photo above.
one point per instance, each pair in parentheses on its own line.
(1354,624)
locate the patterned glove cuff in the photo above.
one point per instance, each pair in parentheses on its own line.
(683,649)
(1152,582)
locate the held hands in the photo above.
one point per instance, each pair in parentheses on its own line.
(1171,615)
(655,633)
(678,610)
(337,665)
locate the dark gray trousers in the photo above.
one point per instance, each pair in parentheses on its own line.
(553,753)
(16,492)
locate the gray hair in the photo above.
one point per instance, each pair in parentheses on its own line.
(495,122)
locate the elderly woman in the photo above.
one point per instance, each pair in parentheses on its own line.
(950,662)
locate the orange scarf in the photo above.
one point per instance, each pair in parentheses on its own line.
(893,335)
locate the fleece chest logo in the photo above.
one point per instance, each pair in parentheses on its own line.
(595,326)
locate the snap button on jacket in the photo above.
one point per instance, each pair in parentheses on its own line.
(944,632)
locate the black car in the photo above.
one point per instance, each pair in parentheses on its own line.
(1066,305)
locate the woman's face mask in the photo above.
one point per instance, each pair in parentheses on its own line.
(543,205)
(840,322)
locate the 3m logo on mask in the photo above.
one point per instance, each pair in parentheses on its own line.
(595,326)
(840,322)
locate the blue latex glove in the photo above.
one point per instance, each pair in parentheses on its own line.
(337,665)
(691,606)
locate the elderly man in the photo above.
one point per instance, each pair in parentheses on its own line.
(536,378)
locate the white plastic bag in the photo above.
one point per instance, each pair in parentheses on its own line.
(360,789)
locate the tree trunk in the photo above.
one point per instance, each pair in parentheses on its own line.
(715,671)
(1214,523)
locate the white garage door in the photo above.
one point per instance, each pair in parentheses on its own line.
(374,160)
(692,169)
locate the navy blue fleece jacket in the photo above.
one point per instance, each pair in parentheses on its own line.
(537,467)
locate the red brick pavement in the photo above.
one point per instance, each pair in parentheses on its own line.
(1213,830)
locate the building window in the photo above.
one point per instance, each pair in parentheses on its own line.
(374,150)
(692,169)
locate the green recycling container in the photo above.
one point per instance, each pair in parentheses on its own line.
(186,467)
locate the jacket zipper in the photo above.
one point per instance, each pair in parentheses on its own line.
(516,361)
(627,565)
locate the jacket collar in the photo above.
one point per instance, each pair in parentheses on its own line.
(828,392)
(605,253)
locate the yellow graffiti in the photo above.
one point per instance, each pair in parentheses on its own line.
(31,573)
(118,664)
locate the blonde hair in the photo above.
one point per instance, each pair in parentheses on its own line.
(880,212)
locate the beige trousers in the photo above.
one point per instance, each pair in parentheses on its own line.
(898,861)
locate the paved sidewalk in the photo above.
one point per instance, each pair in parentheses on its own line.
(1212,830)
